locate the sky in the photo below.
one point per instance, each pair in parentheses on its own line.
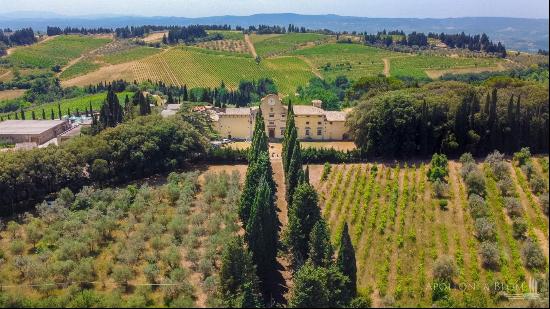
(364,8)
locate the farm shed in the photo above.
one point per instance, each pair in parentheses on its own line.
(32,131)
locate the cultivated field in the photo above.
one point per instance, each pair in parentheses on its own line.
(196,67)
(81,67)
(56,51)
(11,94)
(278,44)
(399,229)
(233,46)
(144,245)
(127,55)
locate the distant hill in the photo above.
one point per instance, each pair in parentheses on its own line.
(516,33)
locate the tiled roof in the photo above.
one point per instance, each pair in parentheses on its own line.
(335,116)
(307,110)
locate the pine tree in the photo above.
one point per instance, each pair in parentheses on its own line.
(302,217)
(320,247)
(346,261)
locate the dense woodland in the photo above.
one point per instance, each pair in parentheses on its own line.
(454,117)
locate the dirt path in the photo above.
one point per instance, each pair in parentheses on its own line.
(282,279)
(251,47)
(314,69)
(386,67)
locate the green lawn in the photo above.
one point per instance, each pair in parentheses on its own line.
(57,51)
(80,103)
(200,68)
(269,45)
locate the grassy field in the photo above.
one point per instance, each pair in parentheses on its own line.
(201,68)
(149,245)
(56,51)
(80,103)
(270,45)
(82,67)
(128,55)
(399,230)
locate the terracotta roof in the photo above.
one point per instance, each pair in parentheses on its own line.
(307,110)
(335,116)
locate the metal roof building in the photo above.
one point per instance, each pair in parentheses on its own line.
(32,131)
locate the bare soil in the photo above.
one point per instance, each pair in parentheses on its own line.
(11,94)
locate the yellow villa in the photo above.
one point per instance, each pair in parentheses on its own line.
(312,122)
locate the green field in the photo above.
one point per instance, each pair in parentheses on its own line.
(128,55)
(417,65)
(80,68)
(56,51)
(80,103)
(200,68)
(270,45)
(352,60)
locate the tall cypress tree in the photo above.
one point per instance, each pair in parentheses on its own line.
(261,230)
(59,111)
(43,114)
(295,172)
(302,216)
(52,115)
(346,260)
(320,247)
(288,139)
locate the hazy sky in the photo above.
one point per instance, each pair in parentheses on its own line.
(368,8)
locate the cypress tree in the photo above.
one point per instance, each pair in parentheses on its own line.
(52,115)
(306,175)
(259,139)
(43,114)
(295,172)
(288,139)
(238,275)
(302,216)
(33,116)
(261,230)
(59,111)
(22,114)
(346,261)
(320,247)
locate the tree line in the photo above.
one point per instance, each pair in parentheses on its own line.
(452,118)
(23,36)
(478,42)
(50,30)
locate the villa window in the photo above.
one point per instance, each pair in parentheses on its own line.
(271,115)
(307,131)
(319,131)
(307,122)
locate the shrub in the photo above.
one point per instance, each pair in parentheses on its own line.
(122,274)
(476,183)
(537,184)
(497,164)
(478,206)
(513,207)
(506,186)
(467,158)
(439,168)
(17,247)
(519,228)
(522,156)
(485,229)
(326,171)
(528,170)
(440,188)
(361,302)
(490,255)
(466,169)
(533,255)
(443,204)
(444,269)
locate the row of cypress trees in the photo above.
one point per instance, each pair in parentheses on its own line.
(319,280)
